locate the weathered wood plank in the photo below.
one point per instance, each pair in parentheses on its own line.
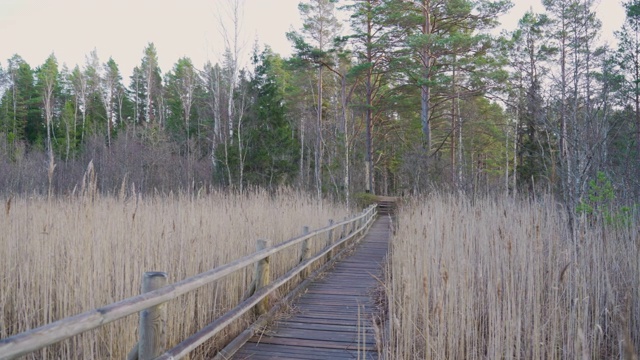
(269,351)
(304,325)
(352,345)
(333,319)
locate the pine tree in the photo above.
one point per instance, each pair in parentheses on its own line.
(440,33)
(320,27)
(372,41)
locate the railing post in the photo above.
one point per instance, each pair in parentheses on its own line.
(353,226)
(152,328)
(304,252)
(263,275)
(330,240)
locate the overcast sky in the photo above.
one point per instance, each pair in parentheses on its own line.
(122,28)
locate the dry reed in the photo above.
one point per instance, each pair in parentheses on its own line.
(63,256)
(502,279)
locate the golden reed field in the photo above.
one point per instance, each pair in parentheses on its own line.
(503,279)
(67,255)
(489,279)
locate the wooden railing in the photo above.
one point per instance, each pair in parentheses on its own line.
(149,303)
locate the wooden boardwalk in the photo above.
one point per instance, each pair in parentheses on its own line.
(334,317)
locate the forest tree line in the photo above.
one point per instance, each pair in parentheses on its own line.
(405,97)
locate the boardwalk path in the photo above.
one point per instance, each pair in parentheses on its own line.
(333,319)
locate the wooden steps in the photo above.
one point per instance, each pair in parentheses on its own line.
(386,205)
(334,318)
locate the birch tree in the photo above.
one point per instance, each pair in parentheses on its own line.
(182,82)
(151,84)
(110,89)
(231,29)
(212,83)
(48,80)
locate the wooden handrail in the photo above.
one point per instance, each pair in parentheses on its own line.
(32,340)
(187,345)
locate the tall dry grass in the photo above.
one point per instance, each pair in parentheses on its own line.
(64,256)
(503,280)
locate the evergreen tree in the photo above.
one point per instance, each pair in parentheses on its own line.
(182,85)
(96,114)
(529,52)
(20,114)
(111,91)
(440,33)
(271,145)
(629,60)
(146,85)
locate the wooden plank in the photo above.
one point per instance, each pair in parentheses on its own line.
(340,338)
(256,327)
(353,345)
(269,351)
(321,320)
(305,325)
(333,319)
(312,306)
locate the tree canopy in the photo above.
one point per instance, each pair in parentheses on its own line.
(405,96)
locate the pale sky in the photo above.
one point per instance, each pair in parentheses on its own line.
(122,28)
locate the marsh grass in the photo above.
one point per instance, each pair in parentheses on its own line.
(502,279)
(63,256)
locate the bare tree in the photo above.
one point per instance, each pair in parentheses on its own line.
(231,33)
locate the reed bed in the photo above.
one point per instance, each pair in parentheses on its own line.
(63,256)
(503,279)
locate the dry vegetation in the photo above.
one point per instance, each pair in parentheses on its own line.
(503,280)
(64,256)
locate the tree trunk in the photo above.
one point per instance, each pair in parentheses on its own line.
(424,88)
(369,121)
(318,152)
(345,126)
(453,127)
